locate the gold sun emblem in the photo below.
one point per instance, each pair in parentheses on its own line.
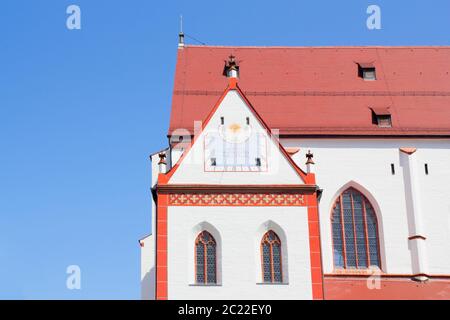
(235,128)
(235,132)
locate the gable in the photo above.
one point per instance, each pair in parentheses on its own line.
(235,147)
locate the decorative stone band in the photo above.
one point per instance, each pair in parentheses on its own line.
(237,195)
(237,199)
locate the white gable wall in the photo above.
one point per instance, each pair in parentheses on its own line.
(240,230)
(234,109)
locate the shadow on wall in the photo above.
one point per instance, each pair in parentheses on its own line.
(148,285)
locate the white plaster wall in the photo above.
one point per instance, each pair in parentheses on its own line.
(434,190)
(365,164)
(147,268)
(240,229)
(234,110)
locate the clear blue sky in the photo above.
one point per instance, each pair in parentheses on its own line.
(81,110)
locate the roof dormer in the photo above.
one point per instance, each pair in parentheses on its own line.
(367,71)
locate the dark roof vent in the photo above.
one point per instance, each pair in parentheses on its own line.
(381,117)
(367,71)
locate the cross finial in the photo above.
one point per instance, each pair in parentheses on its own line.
(162,158)
(309,157)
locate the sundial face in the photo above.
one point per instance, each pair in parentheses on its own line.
(235,147)
(235,132)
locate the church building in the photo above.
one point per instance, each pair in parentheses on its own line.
(303,173)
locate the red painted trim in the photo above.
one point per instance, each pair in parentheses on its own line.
(232,199)
(315,248)
(418,236)
(232,82)
(408,150)
(161,244)
(392,287)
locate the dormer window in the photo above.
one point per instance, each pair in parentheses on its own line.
(367,71)
(381,117)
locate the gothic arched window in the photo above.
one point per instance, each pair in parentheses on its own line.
(271,257)
(355,232)
(205,258)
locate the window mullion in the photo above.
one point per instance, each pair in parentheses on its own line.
(354,230)
(344,249)
(272,268)
(281,262)
(205,259)
(366,234)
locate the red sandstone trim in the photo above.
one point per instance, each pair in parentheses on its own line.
(220,188)
(314,244)
(418,236)
(161,245)
(408,151)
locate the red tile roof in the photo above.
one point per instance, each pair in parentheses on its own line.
(317,91)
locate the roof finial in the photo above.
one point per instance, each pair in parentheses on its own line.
(309,156)
(309,162)
(162,162)
(181,34)
(231,69)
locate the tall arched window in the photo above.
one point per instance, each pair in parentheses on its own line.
(355,232)
(205,258)
(271,257)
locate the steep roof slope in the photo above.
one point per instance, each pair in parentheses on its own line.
(317,91)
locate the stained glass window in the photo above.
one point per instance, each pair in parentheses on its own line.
(271,258)
(205,258)
(355,232)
